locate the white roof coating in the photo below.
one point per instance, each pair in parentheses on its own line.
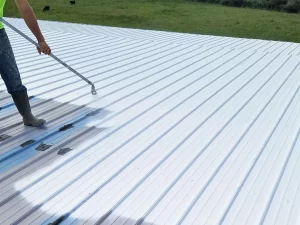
(185,129)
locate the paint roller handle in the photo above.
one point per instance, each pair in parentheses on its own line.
(70,68)
(19,32)
(53,56)
(94,92)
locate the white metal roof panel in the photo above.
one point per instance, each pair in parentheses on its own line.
(186,129)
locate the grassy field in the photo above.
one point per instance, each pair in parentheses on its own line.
(176,15)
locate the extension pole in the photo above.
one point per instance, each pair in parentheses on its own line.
(53,56)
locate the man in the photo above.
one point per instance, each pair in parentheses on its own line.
(8,67)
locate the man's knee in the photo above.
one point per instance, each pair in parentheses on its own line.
(16,89)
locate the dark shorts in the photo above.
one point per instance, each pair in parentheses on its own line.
(8,67)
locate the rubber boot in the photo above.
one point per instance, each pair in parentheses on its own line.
(22,103)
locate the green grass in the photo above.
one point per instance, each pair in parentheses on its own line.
(178,16)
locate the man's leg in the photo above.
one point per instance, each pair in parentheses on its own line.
(12,79)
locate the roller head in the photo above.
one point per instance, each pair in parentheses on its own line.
(94,92)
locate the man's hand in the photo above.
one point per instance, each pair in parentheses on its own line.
(44,48)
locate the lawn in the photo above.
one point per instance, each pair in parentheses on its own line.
(176,15)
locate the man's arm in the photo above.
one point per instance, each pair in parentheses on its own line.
(31,21)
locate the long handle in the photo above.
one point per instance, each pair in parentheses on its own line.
(53,56)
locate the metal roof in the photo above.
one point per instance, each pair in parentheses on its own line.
(186,129)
